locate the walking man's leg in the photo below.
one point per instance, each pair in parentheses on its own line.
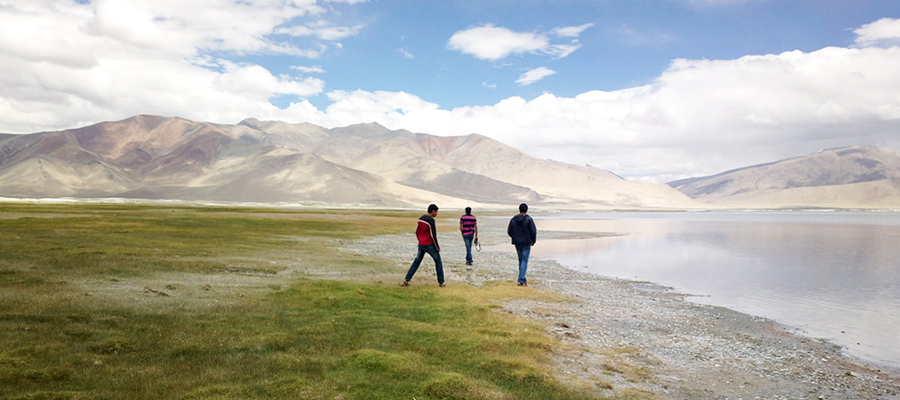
(420,254)
(438,264)
(468,240)
(523,251)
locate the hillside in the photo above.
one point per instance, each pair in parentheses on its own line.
(852,177)
(154,157)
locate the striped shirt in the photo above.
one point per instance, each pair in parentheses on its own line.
(467,224)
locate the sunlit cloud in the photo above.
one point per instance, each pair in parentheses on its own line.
(885,31)
(308,70)
(322,30)
(492,43)
(727,113)
(534,75)
(73,63)
(571,31)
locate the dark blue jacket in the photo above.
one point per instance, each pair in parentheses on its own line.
(522,230)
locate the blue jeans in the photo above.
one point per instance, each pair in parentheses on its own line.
(438,265)
(468,240)
(523,251)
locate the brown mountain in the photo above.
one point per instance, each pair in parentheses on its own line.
(155,157)
(851,177)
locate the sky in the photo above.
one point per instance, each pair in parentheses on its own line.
(653,91)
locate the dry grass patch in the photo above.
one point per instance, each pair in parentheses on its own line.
(122,301)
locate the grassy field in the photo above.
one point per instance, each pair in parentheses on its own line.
(139,301)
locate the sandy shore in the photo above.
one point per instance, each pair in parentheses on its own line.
(645,341)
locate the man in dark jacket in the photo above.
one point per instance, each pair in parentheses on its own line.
(426,233)
(524,235)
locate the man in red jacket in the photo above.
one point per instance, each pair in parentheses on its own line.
(426,232)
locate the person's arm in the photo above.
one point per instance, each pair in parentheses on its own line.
(434,234)
(533,229)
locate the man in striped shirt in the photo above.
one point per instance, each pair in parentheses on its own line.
(426,232)
(468,226)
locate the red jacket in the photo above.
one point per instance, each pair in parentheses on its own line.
(426,231)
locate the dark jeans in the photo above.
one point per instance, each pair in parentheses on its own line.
(438,265)
(468,240)
(523,251)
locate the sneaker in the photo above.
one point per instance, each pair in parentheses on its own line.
(442,285)
(468,263)
(523,284)
(404,283)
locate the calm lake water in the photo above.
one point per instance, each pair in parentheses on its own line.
(832,275)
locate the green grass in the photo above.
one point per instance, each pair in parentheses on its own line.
(114,302)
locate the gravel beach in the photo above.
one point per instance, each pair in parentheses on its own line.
(640,340)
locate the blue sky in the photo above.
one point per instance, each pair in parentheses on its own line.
(650,90)
(627,43)
(404,45)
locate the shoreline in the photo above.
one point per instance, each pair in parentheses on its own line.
(691,350)
(624,337)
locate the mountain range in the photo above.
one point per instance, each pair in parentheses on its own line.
(849,177)
(152,157)
(368,165)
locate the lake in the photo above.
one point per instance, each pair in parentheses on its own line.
(832,275)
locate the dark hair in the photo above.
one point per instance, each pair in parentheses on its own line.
(468,210)
(523,208)
(432,208)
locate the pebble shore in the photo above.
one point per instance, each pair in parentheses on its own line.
(641,340)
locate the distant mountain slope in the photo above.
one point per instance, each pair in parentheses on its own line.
(263,161)
(852,177)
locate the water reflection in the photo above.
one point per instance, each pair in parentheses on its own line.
(833,275)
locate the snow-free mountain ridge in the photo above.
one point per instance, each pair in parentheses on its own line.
(152,157)
(850,177)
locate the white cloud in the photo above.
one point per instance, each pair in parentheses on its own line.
(309,70)
(534,75)
(256,82)
(699,117)
(188,27)
(322,30)
(406,53)
(884,31)
(494,43)
(67,63)
(571,31)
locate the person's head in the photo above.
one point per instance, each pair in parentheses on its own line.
(468,210)
(432,209)
(523,208)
